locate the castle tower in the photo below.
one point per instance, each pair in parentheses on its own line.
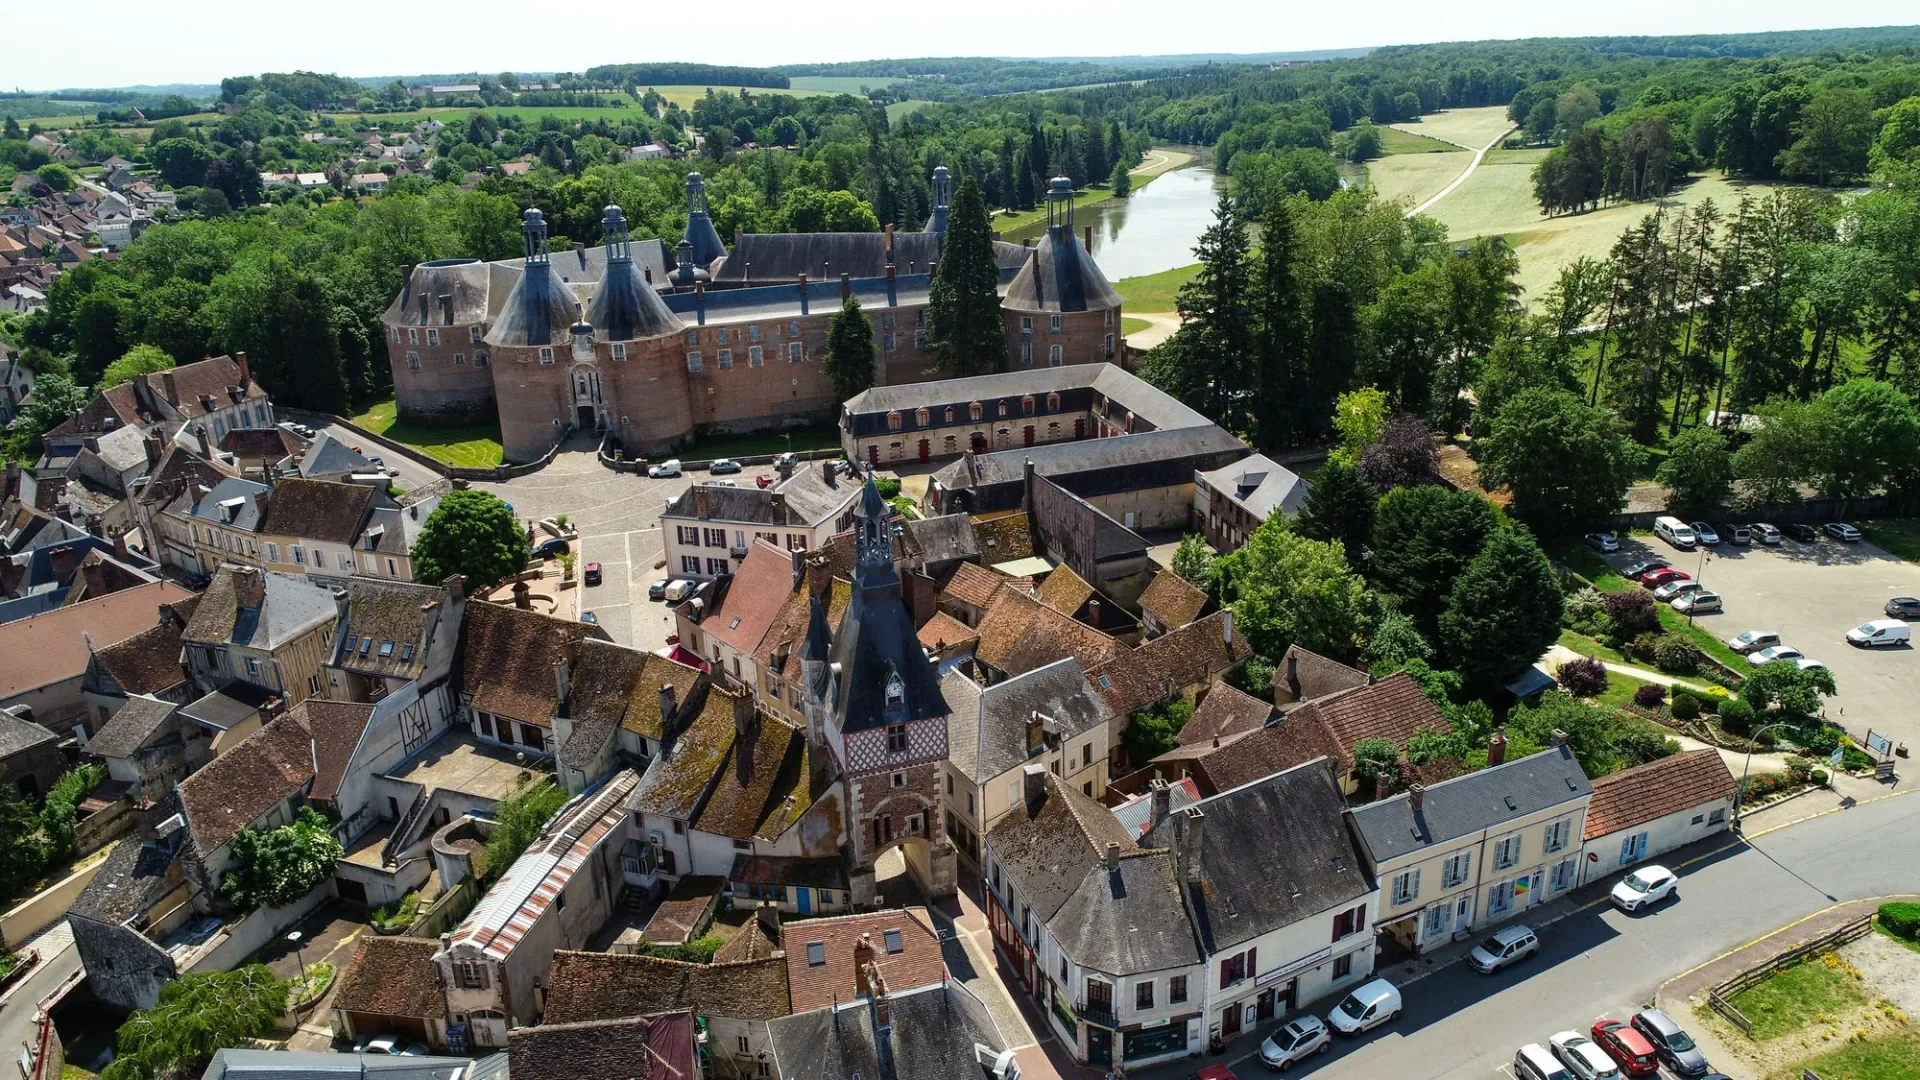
(942,201)
(1059,307)
(532,348)
(700,231)
(637,384)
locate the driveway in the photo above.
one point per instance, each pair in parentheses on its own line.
(1812,594)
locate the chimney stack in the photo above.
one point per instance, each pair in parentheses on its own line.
(863,967)
(423,309)
(1559,738)
(1112,860)
(456,586)
(1497,746)
(846,287)
(263,502)
(769,918)
(826,472)
(700,302)
(1162,797)
(819,576)
(746,732)
(803,294)
(893,295)
(1382,785)
(669,704)
(1033,783)
(1226,626)
(521,597)
(888,231)
(1416,796)
(1192,843)
(246,372)
(173,392)
(699,501)
(199,430)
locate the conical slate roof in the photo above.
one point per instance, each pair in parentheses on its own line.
(624,308)
(700,231)
(540,308)
(1060,276)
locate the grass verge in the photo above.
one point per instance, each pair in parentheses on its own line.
(822,437)
(1891,936)
(476,447)
(1896,1057)
(1791,999)
(1155,292)
(1900,536)
(1131,325)
(1583,560)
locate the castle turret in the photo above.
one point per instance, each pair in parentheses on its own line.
(700,231)
(624,308)
(1060,283)
(942,200)
(539,309)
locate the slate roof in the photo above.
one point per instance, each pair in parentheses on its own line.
(974,584)
(641,1048)
(1128,920)
(17,735)
(813,986)
(1061,276)
(1172,599)
(233,790)
(508,657)
(1063,460)
(130,728)
(337,727)
(933,1035)
(615,687)
(231,1064)
(1018,634)
(57,640)
(1304,675)
(392,976)
(941,539)
(823,873)
(149,661)
(134,877)
(586,986)
(1651,791)
(328,456)
(1260,485)
(1308,863)
(823,257)
(232,612)
(1226,711)
(389,615)
(180,471)
(624,307)
(875,644)
(1469,804)
(1166,665)
(538,311)
(1047,848)
(269,444)
(318,510)
(987,729)
(463,281)
(1392,709)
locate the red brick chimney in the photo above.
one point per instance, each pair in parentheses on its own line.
(246,373)
(1497,747)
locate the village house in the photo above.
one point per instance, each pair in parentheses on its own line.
(62,643)
(258,784)
(392,987)
(516,668)
(137,899)
(664,1047)
(1169,603)
(622,708)
(274,631)
(1230,502)
(146,746)
(1655,808)
(731,999)
(726,618)
(30,759)
(709,528)
(391,633)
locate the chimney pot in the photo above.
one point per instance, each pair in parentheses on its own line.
(1382,784)
(669,704)
(1113,856)
(1192,843)
(846,287)
(1497,746)
(1416,795)
(1162,799)
(246,372)
(456,586)
(1559,737)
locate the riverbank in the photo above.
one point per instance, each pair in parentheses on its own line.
(1156,163)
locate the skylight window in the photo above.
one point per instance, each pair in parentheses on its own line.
(894,942)
(386,649)
(735,624)
(406,651)
(816,953)
(365,644)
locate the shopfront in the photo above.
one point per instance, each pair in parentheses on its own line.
(1159,1039)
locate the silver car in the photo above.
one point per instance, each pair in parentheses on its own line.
(1676,588)
(1697,602)
(1301,1037)
(1507,946)
(1751,640)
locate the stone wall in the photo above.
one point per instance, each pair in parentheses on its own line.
(453,384)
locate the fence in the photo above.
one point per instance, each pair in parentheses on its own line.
(1720,997)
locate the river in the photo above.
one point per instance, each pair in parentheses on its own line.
(1152,230)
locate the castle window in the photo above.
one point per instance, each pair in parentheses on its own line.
(721,336)
(919,338)
(1054,356)
(1026,352)
(693,361)
(1109,346)
(899,779)
(976,410)
(794,328)
(693,338)
(460,359)
(433,337)
(753,333)
(619,351)
(796,352)
(1109,314)
(413,336)
(546,354)
(949,414)
(1026,405)
(1026,325)
(1055,323)
(886,320)
(413,361)
(1053,402)
(920,417)
(725,357)
(893,421)
(887,343)
(473,332)
(479,359)
(1003,408)
(393,335)
(754,356)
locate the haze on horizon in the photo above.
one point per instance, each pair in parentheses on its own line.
(205,42)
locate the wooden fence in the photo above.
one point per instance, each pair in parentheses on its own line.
(1720,997)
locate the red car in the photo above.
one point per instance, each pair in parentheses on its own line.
(1628,1047)
(1653,579)
(765,480)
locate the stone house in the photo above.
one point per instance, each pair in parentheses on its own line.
(1655,808)
(1230,502)
(623,706)
(392,987)
(274,631)
(62,642)
(731,999)
(140,895)
(30,759)
(709,529)
(515,669)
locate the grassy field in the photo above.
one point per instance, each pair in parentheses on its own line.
(467,447)
(1393,141)
(1131,325)
(900,109)
(1471,128)
(1790,1000)
(1154,292)
(1156,163)
(1896,1057)
(840,84)
(1414,178)
(684,96)
(1901,536)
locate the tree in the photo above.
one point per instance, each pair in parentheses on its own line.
(1898,144)
(1373,757)
(1423,538)
(24,852)
(11,130)
(1156,730)
(1873,438)
(1795,690)
(1563,461)
(1279,305)
(1790,448)
(53,400)
(518,819)
(1363,143)
(56,176)
(196,1016)
(849,361)
(1288,590)
(1358,416)
(1193,561)
(1504,610)
(964,322)
(302,363)
(1402,455)
(1217,325)
(1396,642)
(139,360)
(276,867)
(1831,138)
(1698,469)
(1576,108)
(1339,506)
(1121,181)
(182,162)
(471,533)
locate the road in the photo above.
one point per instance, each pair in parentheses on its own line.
(16,1011)
(1462,178)
(1460,1025)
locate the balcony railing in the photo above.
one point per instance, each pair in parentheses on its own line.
(1097,1012)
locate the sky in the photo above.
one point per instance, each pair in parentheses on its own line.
(209,39)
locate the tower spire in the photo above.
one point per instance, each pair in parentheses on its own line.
(1060,204)
(613,228)
(533,227)
(942,200)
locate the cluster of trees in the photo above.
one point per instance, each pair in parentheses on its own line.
(518,819)
(276,867)
(34,839)
(471,533)
(195,1018)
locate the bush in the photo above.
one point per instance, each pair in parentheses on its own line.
(1765,739)
(1639,743)
(888,486)
(275,867)
(1585,677)
(1675,654)
(1854,760)
(1642,646)
(1650,696)
(1818,778)
(1901,920)
(1631,613)
(1685,706)
(1761,785)
(1583,610)
(1736,716)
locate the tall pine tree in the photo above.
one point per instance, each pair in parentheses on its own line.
(1008,192)
(302,360)
(1216,310)
(963,311)
(849,361)
(1280,335)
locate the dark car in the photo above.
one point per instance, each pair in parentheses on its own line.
(1637,570)
(593,573)
(1734,533)
(657,590)
(1904,607)
(588,616)
(547,549)
(1802,532)
(1676,1048)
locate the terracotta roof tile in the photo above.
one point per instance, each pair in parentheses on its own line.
(233,790)
(1303,675)
(753,598)
(509,659)
(1391,709)
(641,1048)
(392,976)
(1170,663)
(336,727)
(585,986)
(1064,591)
(974,584)
(1172,599)
(1648,792)
(185,386)
(317,510)
(918,962)
(1226,711)
(685,911)
(148,662)
(1019,634)
(58,640)
(945,630)
(616,687)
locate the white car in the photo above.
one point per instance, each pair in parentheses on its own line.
(1673,589)
(1752,640)
(1302,1036)
(1807,663)
(1773,653)
(1698,602)
(1369,1006)
(666,470)
(1647,885)
(1583,1058)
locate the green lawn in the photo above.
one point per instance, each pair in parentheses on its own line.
(1466,127)
(467,447)
(840,84)
(1620,690)
(1394,141)
(822,437)
(1583,560)
(1131,325)
(1901,536)
(1896,1057)
(1791,999)
(1154,292)
(1156,163)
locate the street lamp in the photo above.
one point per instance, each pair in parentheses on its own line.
(293,938)
(1740,794)
(1700,577)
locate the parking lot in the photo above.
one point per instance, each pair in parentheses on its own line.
(1812,593)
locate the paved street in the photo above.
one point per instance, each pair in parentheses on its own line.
(1812,594)
(58,960)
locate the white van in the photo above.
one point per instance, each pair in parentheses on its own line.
(679,590)
(1881,632)
(1675,532)
(1376,1003)
(1533,1062)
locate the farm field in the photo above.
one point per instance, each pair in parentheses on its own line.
(840,84)
(1414,178)
(1395,141)
(1154,292)
(685,95)
(1471,128)
(900,109)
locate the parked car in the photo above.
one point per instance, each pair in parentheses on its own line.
(1533,1062)
(1704,532)
(1645,886)
(1583,1059)
(1215,1072)
(1752,640)
(1605,543)
(1698,602)
(765,480)
(589,617)
(678,590)
(1653,579)
(593,573)
(1675,532)
(1808,663)
(1626,1046)
(722,483)
(1509,945)
(1772,653)
(723,467)
(1677,588)
(390,1044)
(657,590)
(1842,531)
(1302,1036)
(547,549)
(1640,569)
(666,470)
(1904,607)
(1880,632)
(1765,533)
(1802,532)
(1671,1041)
(1734,534)
(1369,1006)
